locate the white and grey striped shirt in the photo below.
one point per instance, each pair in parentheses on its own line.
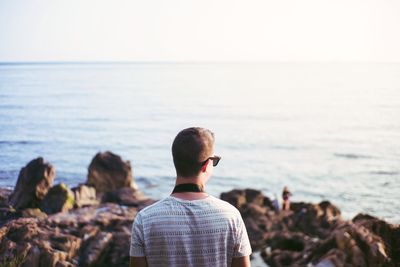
(176,232)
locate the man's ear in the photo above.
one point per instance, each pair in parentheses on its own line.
(204,168)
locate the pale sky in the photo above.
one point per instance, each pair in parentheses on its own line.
(200,30)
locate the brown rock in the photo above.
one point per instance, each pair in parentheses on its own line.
(96,250)
(49,257)
(119,254)
(33,213)
(32,258)
(236,197)
(4,195)
(108,172)
(85,196)
(254,196)
(67,243)
(22,229)
(127,196)
(389,233)
(311,234)
(59,199)
(64,264)
(34,181)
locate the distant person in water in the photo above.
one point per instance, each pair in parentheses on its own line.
(190,228)
(285,196)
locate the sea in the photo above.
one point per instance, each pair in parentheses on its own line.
(327,130)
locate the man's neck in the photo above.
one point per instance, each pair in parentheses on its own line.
(190,195)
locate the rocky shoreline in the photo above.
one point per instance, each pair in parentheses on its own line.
(42,224)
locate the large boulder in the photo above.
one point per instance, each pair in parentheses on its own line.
(59,199)
(108,172)
(34,181)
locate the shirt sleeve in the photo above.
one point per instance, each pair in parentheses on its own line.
(242,245)
(137,239)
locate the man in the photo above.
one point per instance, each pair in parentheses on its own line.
(190,227)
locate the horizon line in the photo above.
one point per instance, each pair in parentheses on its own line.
(127,62)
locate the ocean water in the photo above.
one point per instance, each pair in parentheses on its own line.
(326,130)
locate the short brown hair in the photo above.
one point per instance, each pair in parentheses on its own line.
(191,147)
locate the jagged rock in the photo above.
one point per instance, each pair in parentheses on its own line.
(317,220)
(32,259)
(315,234)
(64,264)
(34,181)
(4,195)
(95,252)
(69,244)
(108,172)
(59,199)
(7,214)
(99,235)
(389,233)
(85,196)
(119,255)
(22,229)
(33,213)
(236,197)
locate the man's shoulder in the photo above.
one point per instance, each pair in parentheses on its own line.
(225,205)
(162,204)
(157,206)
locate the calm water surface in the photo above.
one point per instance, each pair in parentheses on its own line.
(327,130)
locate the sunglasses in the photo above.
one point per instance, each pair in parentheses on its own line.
(215,160)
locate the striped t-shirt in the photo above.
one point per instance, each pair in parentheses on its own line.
(176,232)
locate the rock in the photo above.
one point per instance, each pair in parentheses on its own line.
(95,252)
(59,199)
(50,257)
(389,233)
(124,196)
(22,229)
(236,197)
(254,196)
(99,235)
(108,172)
(317,220)
(33,213)
(4,195)
(64,264)
(314,234)
(255,233)
(32,258)
(119,254)
(34,181)
(69,244)
(325,263)
(85,196)
(7,214)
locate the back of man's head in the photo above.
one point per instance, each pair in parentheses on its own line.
(191,147)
